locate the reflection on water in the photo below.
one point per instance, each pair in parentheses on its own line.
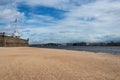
(103,49)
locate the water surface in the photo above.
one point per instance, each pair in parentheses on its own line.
(97,49)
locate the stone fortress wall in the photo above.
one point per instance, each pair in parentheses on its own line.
(9,41)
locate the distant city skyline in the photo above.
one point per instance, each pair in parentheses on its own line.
(62,21)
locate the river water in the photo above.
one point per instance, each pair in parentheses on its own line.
(96,49)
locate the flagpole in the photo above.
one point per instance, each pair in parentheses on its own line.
(16,24)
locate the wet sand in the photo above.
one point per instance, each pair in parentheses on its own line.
(54,64)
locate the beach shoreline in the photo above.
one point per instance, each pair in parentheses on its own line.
(30,63)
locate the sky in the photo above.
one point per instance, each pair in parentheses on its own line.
(62,21)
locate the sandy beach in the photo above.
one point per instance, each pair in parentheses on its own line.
(54,64)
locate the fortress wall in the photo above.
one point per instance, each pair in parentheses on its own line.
(15,42)
(1,40)
(8,41)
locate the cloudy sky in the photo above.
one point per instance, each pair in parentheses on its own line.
(62,21)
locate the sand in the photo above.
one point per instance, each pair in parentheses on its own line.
(53,64)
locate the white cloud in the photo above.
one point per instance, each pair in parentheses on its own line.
(96,21)
(39,19)
(8,13)
(78,26)
(107,20)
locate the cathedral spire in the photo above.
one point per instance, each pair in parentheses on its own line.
(15,33)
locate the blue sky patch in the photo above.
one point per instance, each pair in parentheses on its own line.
(41,10)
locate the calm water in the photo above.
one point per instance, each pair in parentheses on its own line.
(97,49)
